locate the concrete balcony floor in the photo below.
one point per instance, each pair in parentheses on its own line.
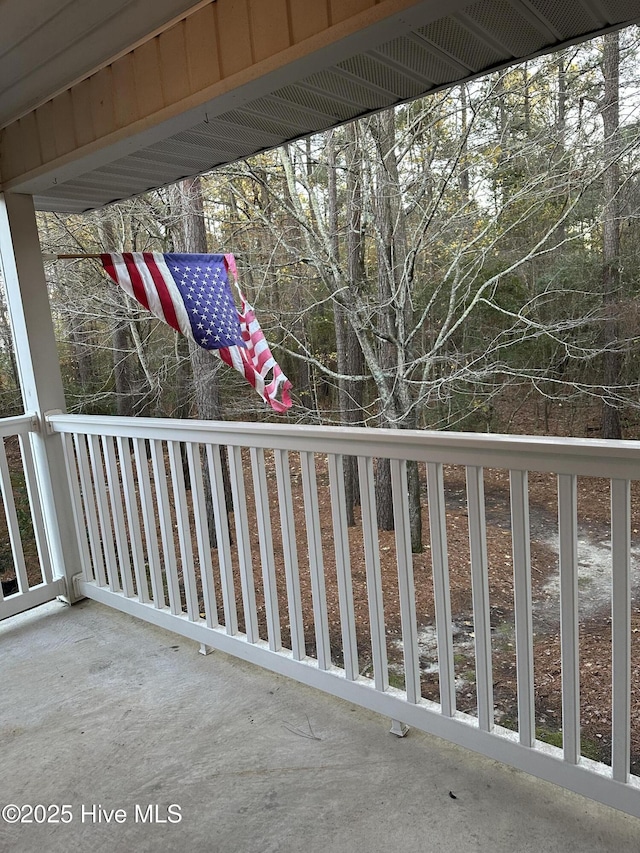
(99,709)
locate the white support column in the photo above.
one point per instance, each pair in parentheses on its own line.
(39,374)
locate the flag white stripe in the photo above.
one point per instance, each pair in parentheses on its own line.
(149,287)
(267,366)
(176,298)
(124,279)
(155,306)
(236,358)
(260,347)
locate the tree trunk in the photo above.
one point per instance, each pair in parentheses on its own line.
(394,319)
(184,391)
(611,359)
(349,354)
(120,339)
(83,361)
(561,233)
(120,348)
(7,339)
(463,179)
(384,124)
(192,237)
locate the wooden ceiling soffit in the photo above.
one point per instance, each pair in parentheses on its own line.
(219,57)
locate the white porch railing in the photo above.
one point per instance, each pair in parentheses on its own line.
(139,495)
(25,564)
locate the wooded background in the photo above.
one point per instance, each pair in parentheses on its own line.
(467,261)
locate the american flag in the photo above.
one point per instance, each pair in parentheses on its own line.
(191,294)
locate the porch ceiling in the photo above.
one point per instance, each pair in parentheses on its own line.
(45,45)
(234,77)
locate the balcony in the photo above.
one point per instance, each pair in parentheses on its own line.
(288,587)
(101,709)
(330,627)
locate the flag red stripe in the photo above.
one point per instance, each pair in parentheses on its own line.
(261,359)
(225,355)
(107,263)
(162,291)
(249,369)
(136,280)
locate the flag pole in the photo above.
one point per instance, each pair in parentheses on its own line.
(49,257)
(53,257)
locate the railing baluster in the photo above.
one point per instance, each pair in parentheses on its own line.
(149,523)
(290,554)
(621,627)
(343,565)
(166,526)
(316,561)
(568,535)
(184,531)
(406,588)
(266,548)
(13,528)
(480,596)
(88,498)
(522,603)
(104,519)
(133,519)
(76,506)
(117,514)
(214,462)
(36,509)
(372,564)
(244,546)
(441,592)
(203,534)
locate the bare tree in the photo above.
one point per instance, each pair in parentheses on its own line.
(611,284)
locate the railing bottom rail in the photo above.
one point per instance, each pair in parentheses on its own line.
(33,597)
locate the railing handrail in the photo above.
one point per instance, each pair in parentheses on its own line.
(18,425)
(583,456)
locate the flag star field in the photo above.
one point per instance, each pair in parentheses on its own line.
(206,295)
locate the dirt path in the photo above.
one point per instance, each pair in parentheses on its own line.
(594,583)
